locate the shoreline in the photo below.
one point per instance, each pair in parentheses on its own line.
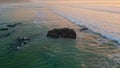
(87,50)
(76,22)
(87,40)
(116,41)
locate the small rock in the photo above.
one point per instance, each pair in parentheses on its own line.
(62,33)
(13,25)
(83,28)
(4,29)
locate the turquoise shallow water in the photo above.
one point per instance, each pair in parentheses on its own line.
(41,52)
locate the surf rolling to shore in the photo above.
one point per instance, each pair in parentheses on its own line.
(103,17)
(32,21)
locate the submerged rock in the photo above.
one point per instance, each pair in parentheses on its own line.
(62,33)
(13,25)
(20,42)
(3,29)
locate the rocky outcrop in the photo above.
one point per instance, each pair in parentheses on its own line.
(62,33)
(20,42)
(23,40)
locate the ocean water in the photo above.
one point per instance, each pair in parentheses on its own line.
(103,18)
(41,52)
(52,53)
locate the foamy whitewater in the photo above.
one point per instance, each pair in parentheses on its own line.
(101,18)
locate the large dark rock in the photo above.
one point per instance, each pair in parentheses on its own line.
(62,33)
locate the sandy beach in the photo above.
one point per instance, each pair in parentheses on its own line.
(88,50)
